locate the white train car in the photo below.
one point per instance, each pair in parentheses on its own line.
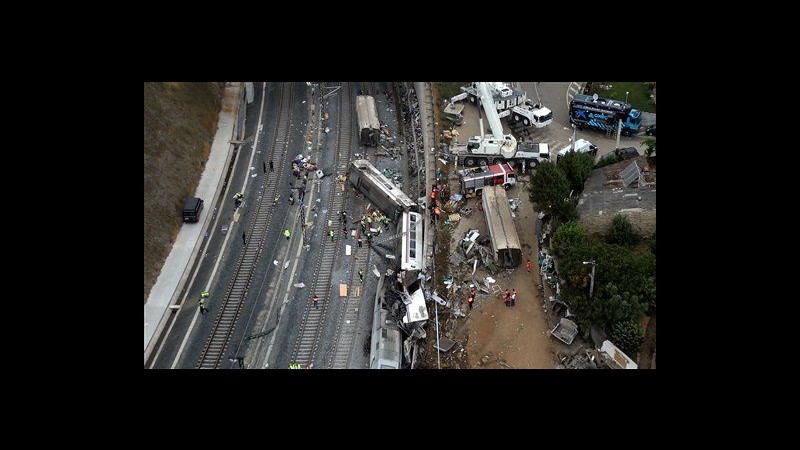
(378,189)
(369,127)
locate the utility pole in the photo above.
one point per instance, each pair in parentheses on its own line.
(591,284)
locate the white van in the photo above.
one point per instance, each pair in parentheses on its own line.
(581,146)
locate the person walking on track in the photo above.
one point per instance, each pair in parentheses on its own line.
(244,238)
(315,300)
(361,274)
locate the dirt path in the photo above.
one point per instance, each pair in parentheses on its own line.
(512,337)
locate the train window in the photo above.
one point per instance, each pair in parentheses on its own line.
(413,253)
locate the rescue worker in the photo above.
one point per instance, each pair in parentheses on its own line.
(359,242)
(470,300)
(361,274)
(203,296)
(513,297)
(330,233)
(528,266)
(287,233)
(507,298)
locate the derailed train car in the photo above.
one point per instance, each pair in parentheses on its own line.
(378,189)
(369,127)
(505,240)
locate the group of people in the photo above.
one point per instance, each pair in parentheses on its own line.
(510,298)
(301,167)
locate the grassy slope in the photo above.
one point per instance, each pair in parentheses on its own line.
(180,120)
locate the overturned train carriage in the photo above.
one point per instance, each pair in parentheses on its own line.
(378,189)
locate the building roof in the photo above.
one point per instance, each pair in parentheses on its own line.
(604,192)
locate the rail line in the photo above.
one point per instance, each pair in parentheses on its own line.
(225,321)
(312,323)
(347,320)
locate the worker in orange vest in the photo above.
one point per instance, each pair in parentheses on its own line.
(528,266)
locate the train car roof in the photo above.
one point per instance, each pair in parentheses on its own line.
(366,112)
(498,218)
(383,183)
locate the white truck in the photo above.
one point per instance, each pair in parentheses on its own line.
(509,102)
(498,147)
(581,146)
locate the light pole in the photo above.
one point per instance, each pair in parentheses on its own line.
(591,285)
(619,128)
(573,136)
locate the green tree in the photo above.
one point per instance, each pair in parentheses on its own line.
(622,231)
(576,167)
(549,187)
(569,242)
(567,211)
(628,336)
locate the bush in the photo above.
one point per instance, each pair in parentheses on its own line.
(622,232)
(576,167)
(628,336)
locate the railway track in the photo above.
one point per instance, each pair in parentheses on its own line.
(312,323)
(347,320)
(225,321)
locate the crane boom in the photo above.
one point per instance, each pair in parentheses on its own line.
(491,112)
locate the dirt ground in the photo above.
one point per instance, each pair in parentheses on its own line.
(501,336)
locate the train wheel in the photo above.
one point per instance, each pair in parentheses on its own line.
(483,161)
(469,162)
(534,163)
(507,186)
(526,122)
(516,117)
(473,99)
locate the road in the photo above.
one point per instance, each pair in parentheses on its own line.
(554,96)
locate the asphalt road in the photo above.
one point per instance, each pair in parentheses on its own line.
(559,133)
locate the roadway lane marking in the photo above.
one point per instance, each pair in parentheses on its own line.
(224,244)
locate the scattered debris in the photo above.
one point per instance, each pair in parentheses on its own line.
(565,331)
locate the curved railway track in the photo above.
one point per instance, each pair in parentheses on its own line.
(312,323)
(225,321)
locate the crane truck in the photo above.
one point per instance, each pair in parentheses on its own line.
(509,102)
(498,147)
